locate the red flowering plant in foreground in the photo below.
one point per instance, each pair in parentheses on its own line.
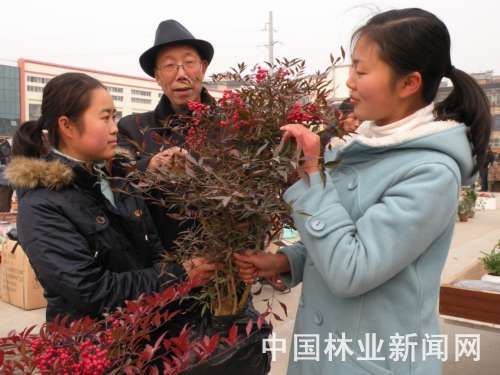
(131,340)
(237,168)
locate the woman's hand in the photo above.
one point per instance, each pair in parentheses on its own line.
(307,141)
(252,265)
(200,271)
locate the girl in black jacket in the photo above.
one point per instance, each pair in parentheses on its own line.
(91,248)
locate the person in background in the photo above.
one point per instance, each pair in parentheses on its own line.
(5,189)
(484,170)
(348,121)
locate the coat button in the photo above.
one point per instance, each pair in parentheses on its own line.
(100,220)
(353,184)
(318,318)
(317,224)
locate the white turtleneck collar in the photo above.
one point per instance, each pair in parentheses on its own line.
(423,116)
(418,124)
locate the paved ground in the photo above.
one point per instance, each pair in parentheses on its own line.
(469,240)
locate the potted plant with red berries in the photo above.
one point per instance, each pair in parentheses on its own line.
(237,169)
(233,177)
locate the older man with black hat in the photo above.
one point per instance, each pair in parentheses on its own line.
(178,62)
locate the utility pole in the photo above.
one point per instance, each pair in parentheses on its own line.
(270,38)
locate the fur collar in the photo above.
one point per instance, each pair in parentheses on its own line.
(53,173)
(30,173)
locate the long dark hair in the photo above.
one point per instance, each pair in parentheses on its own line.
(414,40)
(68,94)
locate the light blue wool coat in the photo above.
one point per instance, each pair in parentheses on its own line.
(374,240)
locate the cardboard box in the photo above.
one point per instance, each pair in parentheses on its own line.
(475,306)
(18,283)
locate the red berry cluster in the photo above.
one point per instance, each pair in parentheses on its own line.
(307,113)
(92,360)
(233,102)
(231,98)
(261,74)
(195,138)
(197,107)
(282,73)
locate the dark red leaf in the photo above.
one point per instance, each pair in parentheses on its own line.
(283,306)
(147,353)
(157,320)
(260,321)
(259,291)
(233,335)
(249,327)
(277,317)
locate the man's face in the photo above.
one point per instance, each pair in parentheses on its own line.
(180,71)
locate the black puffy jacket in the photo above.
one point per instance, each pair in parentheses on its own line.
(88,255)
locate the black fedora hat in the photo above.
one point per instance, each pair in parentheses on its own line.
(171,33)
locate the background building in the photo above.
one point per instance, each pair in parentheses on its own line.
(130,94)
(9,99)
(21,89)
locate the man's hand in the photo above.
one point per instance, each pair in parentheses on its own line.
(172,157)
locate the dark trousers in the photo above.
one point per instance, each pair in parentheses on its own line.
(5,198)
(484,179)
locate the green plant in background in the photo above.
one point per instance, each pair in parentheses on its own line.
(467,203)
(471,194)
(464,206)
(491,260)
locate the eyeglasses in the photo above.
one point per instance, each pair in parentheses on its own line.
(188,66)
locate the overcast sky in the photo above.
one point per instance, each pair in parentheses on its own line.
(110,35)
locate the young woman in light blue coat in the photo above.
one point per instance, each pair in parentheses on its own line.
(376,232)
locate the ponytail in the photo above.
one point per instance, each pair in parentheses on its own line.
(28,140)
(468,104)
